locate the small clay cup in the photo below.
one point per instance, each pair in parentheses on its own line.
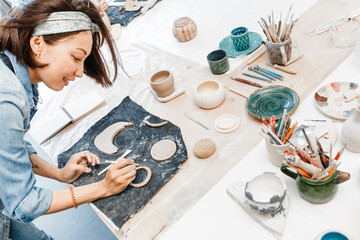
(279,53)
(240,38)
(162,83)
(218,62)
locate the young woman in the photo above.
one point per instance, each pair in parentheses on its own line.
(51,42)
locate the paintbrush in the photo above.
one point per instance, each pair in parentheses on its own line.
(340,152)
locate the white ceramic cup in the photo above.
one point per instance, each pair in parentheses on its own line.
(162,83)
(274,156)
(209,94)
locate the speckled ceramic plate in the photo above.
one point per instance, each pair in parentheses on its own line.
(338,99)
(227,45)
(271,101)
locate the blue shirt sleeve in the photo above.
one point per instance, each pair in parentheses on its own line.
(21,198)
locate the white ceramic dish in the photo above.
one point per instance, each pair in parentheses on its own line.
(265,193)
(209,94)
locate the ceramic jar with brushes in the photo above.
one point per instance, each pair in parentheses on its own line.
(278,43)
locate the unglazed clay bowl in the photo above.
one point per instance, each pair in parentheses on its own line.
(209,94)
(265,193)
(162,83)
(184,29)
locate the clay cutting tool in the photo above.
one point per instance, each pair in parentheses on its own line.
(274,74)
(253,76)
(250,68)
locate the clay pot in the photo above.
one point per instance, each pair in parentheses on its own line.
(209,94)
(184,29)
(162,83)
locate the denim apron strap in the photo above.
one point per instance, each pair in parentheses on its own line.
(4,224)
(7,61)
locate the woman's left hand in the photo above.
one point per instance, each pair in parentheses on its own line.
(78,164)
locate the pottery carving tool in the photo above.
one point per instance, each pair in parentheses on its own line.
(234,91)
(253,76)
(284,69)
(191,118)
(122,156)
(294,60)
(261,73)
(262,119)
(305,155)
(275,75)
(247,82)
(260,51)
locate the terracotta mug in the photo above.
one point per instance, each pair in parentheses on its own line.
(316,191)
(162,83)
(279,53)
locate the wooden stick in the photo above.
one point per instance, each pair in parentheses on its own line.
(284,69)
(258,52)
(234,91)
(247,82)
(294,60)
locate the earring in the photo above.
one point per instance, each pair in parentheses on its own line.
(38,55)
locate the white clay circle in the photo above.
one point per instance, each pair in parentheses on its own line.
(226,123)
(163,150)
(146,180)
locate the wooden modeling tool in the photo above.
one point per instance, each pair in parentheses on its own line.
(294,60)
(260,51)
(247,82)
(122,156)
(284,69)
(234,91)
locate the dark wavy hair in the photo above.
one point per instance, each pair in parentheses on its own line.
(17,27)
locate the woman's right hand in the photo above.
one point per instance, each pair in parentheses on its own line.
(119,176)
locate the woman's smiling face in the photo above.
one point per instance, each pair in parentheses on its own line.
(64,60)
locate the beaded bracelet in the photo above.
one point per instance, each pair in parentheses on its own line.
(73,195)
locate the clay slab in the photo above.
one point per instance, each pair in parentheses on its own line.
(163,150)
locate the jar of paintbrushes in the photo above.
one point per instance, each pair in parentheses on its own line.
(316,174)
(277,136)
(278,42)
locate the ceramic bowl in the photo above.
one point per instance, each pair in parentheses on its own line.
(265,193)
(209,94)
(333,234)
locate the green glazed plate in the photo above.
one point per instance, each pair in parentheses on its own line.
(271,101)
(227,45)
